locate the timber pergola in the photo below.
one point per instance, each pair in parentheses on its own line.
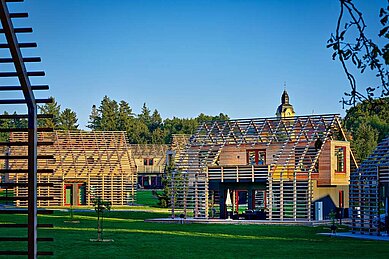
(297,143)
(369,191)
(85,165)
(23,85)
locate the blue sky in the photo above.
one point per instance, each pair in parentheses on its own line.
(187,57)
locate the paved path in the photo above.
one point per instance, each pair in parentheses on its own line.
(360,236)
(226,221)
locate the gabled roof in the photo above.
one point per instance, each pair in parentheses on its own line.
(79,151)
(288,133)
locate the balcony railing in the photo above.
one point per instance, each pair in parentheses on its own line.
(150,169)
(238,173)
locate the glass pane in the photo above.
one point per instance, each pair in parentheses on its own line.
(251,157)
(261,157)
(340,159)
(82,193)
(68,195)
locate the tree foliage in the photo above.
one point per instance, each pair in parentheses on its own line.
(68,120)
(94,119)
(361,51)
(53,109)
(146,127)
(368,124)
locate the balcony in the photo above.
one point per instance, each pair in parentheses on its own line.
(238,173)
(150,169)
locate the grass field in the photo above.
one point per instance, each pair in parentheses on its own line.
(145,197)
(133,238)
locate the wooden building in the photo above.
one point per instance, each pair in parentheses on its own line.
(85,165)
(287,167)
(369,192)
(150,160)
(290,168)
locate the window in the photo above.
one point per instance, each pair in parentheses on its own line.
(340,153)
(148,161)
(256,157)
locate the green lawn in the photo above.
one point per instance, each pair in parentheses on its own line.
(145,197)
(133,238)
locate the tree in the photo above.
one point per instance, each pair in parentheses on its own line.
(109,114)
(68,120)
(125,117)
(139,133)
(365,140)
(100,206)
(94,119)
(158,136)
(4,124)
(155,121)
(50,108)
(361,51)
(144,116)
(368,124)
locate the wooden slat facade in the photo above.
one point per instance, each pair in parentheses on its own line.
(369,191)
(88,164)
(296,149)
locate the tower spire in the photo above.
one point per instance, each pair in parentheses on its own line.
(285,109)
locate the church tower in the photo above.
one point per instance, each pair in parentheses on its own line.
(285,109)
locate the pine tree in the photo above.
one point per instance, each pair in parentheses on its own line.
(109,114)
(155,121)
(94,119)
(50,108)
(126,117)
(144,116)
(139,133)
(68,120)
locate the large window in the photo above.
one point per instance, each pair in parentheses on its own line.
(340,153)
(256,157)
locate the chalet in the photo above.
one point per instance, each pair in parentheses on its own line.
(286,167)
(84,165)
(369,193)
(150,164)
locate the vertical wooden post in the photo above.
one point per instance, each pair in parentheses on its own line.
(281,196)
(32,182)
(294,196)
(270,191)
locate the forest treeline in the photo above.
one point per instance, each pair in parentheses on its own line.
(366,123)
(147,127)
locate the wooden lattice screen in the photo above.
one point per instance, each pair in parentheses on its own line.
(365,186)
(91,164)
